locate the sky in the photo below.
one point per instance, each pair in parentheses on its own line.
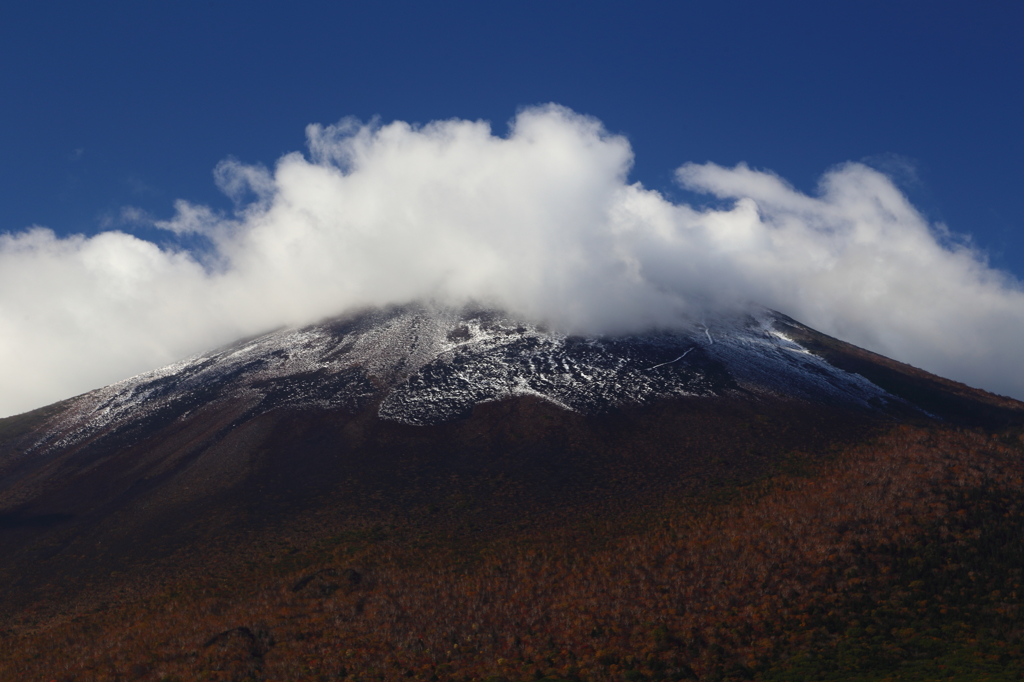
(176,175)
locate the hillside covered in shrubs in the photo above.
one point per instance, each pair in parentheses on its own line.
(899,558)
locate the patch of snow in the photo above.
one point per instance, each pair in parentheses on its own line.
(427,365)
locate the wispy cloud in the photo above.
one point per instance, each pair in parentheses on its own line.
(543,222)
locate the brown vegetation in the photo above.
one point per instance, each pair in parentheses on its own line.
(889,555)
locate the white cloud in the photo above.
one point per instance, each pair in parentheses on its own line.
(542,222)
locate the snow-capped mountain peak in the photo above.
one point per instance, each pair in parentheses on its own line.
(425,365)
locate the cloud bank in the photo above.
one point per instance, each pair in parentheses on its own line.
(543,222)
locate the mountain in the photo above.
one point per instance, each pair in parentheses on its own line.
(422,366)
(423,426)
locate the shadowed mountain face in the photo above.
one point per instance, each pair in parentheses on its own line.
(387,414)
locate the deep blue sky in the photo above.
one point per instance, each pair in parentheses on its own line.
(107,104)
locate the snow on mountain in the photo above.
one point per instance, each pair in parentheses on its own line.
(423,365)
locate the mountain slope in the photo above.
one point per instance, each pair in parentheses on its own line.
(949,400)
(896,559)
(462,423)
(425,366)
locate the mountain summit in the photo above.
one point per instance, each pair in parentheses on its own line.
(426,366)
